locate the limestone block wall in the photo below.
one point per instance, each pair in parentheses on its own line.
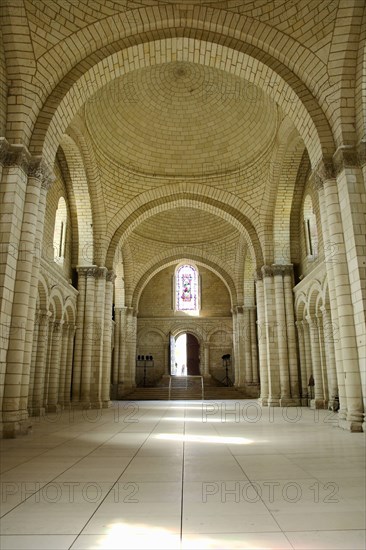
(157,297)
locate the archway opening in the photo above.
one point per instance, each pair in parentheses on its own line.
(185,355)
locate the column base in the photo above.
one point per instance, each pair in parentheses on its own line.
(304,401)
(54,408)
(317,404)
(10,430)
(107,404)
(37,411)
(352,425)
(96,405)
(124,390)
(290,402)
(263,401)
(273,402)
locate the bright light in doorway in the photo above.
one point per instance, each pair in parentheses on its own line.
(181,355)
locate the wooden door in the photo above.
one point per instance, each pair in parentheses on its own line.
(193,355)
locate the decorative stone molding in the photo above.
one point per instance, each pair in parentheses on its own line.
(4,147)
(111,276)
(93,271)
(285,269)
(345,157)
(323,171)
(267,271)
(18,155)
(39,169)
(258,274)
(361,152)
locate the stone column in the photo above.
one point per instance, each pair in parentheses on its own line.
(318,401)
(121,365)
(245,344)
(21,293)
(348,163)
(281,335)
(69,365)
(339,229)
(253,342)
(272,349)
(319,318)
(89,334)
(307,349)
(291,334)
(129,378)
(262,343)
(33,362)
(39,174)
(116,352)
(206,368)
(331,256)
(98,337)
(41,362)
(14,161)
(330,357)
(63,363)
(54,369)
(79,336)
(107,343)
(304,376)
(239,359)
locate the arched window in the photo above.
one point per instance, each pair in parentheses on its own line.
(187,289)
(59,235)
(311,230)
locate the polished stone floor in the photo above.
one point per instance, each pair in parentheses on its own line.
(184,474)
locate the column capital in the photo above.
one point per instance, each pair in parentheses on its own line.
(4,147)
(93,271)
(258,274)
(323,171)
(16,155)
(111,276)
(39,168)
(267,271)
(345,157)
(361,151)
(282,269)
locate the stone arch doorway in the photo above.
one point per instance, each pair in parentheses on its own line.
(184,355)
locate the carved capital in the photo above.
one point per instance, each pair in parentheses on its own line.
(258,274)
(4,147)
(361,152)
(39,169)
(18,155)
(93,271)
(323,171)
(345,157)
(111,276)
(267,271)
(282,269)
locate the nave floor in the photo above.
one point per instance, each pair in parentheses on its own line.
(184,474)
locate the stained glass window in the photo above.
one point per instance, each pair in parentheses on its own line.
(186,288)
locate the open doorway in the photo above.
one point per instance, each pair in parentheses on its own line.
(184,355)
